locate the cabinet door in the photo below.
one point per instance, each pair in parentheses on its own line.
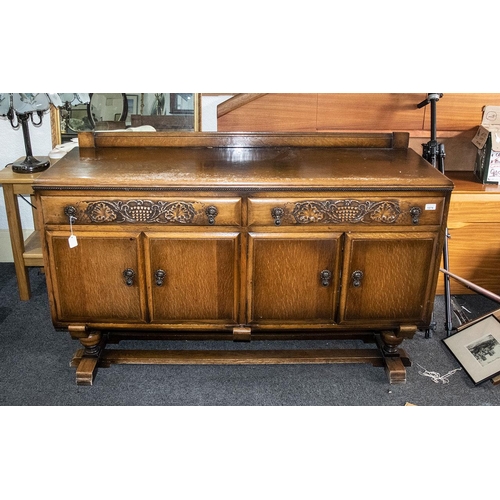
(88,280)
(293,278)
(387,277)
(193,276)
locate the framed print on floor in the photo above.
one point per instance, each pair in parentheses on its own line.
(477,348)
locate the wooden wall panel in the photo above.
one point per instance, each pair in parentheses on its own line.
(463,111)
(273,112)
(362,111)
(370,112)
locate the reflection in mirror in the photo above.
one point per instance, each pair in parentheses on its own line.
(107,111)
(162,111)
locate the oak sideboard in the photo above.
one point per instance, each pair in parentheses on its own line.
(242,237)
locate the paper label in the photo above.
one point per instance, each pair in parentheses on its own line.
(73,242)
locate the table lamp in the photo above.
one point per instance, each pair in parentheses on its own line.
(20,109)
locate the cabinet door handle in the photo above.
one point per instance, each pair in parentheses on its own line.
(325,277)
(277,213)
(415,213)
(160,276)
(357,276)
(129,276)
(211,213)
(70,213)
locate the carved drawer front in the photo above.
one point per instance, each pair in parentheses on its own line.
(358,209)
(180,211)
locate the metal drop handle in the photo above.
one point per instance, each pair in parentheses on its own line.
(211,212)
(277,213)
(129,276)
(357,276)
(160,277)
(415,213)
(325,277)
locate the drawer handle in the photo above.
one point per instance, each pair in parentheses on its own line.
(357,276)
(212,213)
(325,277)
(277,213)
(415,213)
(70,213)
(160,276)
(129,276)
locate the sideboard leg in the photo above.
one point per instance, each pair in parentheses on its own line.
(396,359)
(87,367)
(395,370)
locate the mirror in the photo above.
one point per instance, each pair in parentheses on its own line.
(106,109)
(163,111)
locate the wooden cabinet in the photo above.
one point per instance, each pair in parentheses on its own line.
(243,237)
(474,229)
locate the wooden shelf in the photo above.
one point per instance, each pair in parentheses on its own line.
(33,255)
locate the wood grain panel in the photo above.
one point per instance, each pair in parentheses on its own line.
(389,288)
(360,111)
(200,276)
(463,111)
(89,278)
(370,112)
(273,112)
(285,282)
(474,254)
(474,227)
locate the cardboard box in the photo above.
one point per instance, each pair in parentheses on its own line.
(487,141)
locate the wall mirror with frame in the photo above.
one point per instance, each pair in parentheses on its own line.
(162,111)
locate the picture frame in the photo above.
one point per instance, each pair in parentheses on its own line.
(182,104)
(477,348)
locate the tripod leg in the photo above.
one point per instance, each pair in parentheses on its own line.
(447,291)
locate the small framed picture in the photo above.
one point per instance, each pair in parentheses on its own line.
(181,104)
(477,348)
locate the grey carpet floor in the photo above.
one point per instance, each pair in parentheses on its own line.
(35,370)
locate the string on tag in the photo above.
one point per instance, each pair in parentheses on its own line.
(437,377)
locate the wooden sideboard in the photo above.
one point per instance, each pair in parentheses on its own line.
(242,237)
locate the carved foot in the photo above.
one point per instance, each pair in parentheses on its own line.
(395,358)
(392,339)
(86,368)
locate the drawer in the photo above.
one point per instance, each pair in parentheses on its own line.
(381,211)
(144,210)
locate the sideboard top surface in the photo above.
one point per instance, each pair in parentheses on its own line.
(243,168)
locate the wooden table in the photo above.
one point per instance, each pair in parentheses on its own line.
(26,253)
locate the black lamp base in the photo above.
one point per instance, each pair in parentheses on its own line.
(31,164)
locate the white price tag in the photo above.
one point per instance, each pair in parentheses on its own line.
(73,242)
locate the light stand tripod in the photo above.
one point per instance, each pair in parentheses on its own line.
(434,153)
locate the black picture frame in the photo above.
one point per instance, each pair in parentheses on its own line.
(477,348)
(182,104)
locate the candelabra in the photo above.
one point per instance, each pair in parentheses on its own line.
(21,109)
